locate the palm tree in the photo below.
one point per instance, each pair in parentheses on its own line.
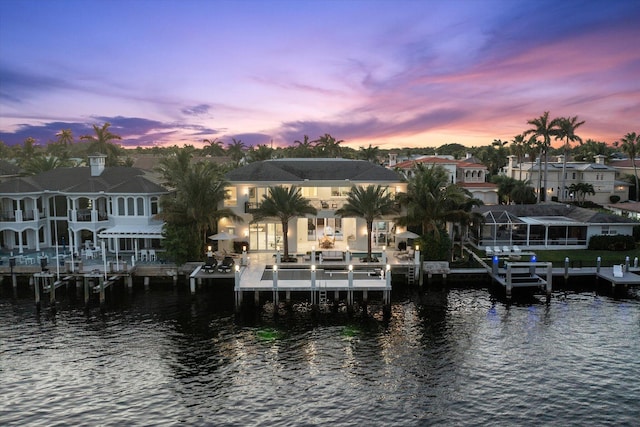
(506,184)
(566,130)
(544,128)
(284,204)
(101,142)
(213,148)
(581,189)
(370,154)
(328,146)
(522,193)
(260,152)
(194,205)
(39,164)
(304,148)
(369,203)
(588,150)
(174,167)
(235,149)
(518,149)
(630,144)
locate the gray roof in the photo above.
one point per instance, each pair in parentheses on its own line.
(295,170)
(79,180)
(8,168)
(557,209)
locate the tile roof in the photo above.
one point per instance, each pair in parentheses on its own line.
(557,209)
(295,170)
(79,180)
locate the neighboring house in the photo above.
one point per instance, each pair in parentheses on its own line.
(624,167)
(79,206)
(598,174)
(628,210)
(465,173)
(326,183)
(545,226)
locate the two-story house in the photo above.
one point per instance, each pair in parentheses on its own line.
(469,175)
(326,183)
(76,207)
(601,176)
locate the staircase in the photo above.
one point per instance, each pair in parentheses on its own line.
(411,274)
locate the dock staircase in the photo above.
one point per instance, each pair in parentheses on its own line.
(411,274)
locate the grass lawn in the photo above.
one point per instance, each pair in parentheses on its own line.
(586,257)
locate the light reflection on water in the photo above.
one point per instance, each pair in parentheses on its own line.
(454,357)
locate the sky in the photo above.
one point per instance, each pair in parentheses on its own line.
(386,73)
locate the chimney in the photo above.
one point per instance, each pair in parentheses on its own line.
(96,162)
(600,159)
(561,158)
(393,159)
(467,156)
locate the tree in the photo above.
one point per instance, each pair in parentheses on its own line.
(566,130)
(284,204)
(328,146)
(213,148)
(174,167)
(506,184)
(261,152)
(522,193)
(370,154)
(519,148)
(194,205)
(545,129)
(304,148)
(102,143)
(630,144)
(235,149)
(369,203)
(581,189)
(39,164)
(587,151)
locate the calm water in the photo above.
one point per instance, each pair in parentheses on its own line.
(455,357)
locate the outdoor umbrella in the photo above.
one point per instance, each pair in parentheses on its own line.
(407,235)
(223,236)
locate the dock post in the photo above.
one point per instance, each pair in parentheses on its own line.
(635,262)
(598,263)
(384,254)
(275,288)
(347,256)
(256,298)
(532,268)
(566,268)
(313,283)
(626,264)
(130,282)
(86,290)
(387,293)
(549,278)
(52,294)
(102,296)
(509,283)
(192,285)
(14,278)
(418,266)
(350,284)
(37,289)
(146,283)
(236,288)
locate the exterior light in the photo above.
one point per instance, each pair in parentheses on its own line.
(350,267)
(313,267)
(237,267)
(275,267)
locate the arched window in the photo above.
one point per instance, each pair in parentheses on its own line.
(121,210)
(130,206)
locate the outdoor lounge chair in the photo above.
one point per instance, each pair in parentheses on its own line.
(506,249)
(226,265)
(618,271)
(516,249)
(496,250)
(488,251)
(210,265)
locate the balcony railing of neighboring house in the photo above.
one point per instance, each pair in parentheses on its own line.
(8,216)
(249,207)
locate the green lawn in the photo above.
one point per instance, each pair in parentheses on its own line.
(586,257)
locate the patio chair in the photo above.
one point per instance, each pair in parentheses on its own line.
(144,255)
(210,265)
(488,251)
(618,271)
(152,255)
(516,249)
(226,265)
(496,250)
(506,249)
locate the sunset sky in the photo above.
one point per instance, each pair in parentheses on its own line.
(389,73)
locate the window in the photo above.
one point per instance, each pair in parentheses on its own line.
(231,196)
(140,206)
(130,207)
(154,205)
(121,206)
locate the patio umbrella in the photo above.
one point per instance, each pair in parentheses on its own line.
(223,236)
(407,235)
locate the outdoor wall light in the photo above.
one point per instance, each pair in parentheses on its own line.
(350,267)
(417,247)
(313,267)
(275,268)
(237,268)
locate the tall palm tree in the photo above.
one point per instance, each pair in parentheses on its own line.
(174,167)
(261,152)
(567,130)
(304,148)
(518,149)
(102,142)
(284,204)
(39,164)
(544,128)
(630,144)
(370,203)
(522,193)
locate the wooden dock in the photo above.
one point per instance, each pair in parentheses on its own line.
(627,278)
(522,275)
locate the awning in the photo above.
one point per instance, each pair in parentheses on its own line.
(153,231)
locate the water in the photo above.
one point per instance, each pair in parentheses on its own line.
(455,357)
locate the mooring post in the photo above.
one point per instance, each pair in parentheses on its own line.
(626,264)
(566,268)
(236,287)
(52,293)
(102,296)
(598,262)
(418,266)
(146,283)
(549,278)
(86,290)
(387,293)
(350,284)
(313,283)
(495,265)
(192,285)
(347,256)
(130,282)
(635,262)
(275,288)
(532,267)
(384,254)
(37,290)
(509,283)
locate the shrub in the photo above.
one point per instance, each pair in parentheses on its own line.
(614,198)
(612,243)
(435,249)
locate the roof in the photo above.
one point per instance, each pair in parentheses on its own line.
(552,209)
(79,180)
(8,168)
(463,164)
(297,170)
